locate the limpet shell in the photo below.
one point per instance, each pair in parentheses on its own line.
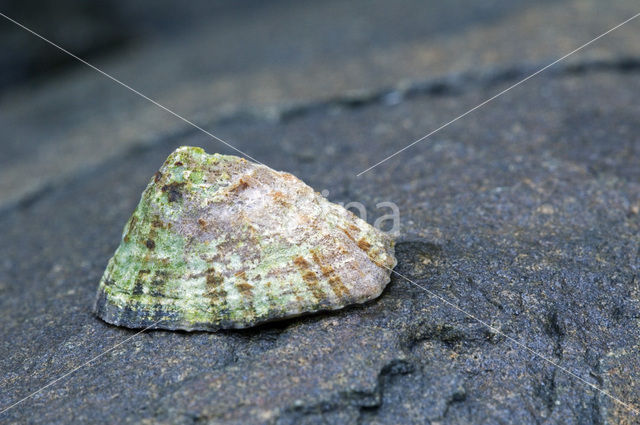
(220,242)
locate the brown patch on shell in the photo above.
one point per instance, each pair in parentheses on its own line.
(239,186)
(353,228)
(346,232)
(246,289)
(309,277)
(214,284)
(329,272)
(280,198)
(364,245)
(173,191)
(288,176)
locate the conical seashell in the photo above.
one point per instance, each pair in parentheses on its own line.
(220,242)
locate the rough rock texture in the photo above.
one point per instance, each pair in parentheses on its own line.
(525,213)
(219,242)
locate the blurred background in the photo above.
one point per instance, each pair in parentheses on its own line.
(230,59)
(95,29)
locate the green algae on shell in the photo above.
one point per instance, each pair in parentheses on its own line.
(219,242)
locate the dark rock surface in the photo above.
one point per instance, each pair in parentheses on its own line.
(525,214)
